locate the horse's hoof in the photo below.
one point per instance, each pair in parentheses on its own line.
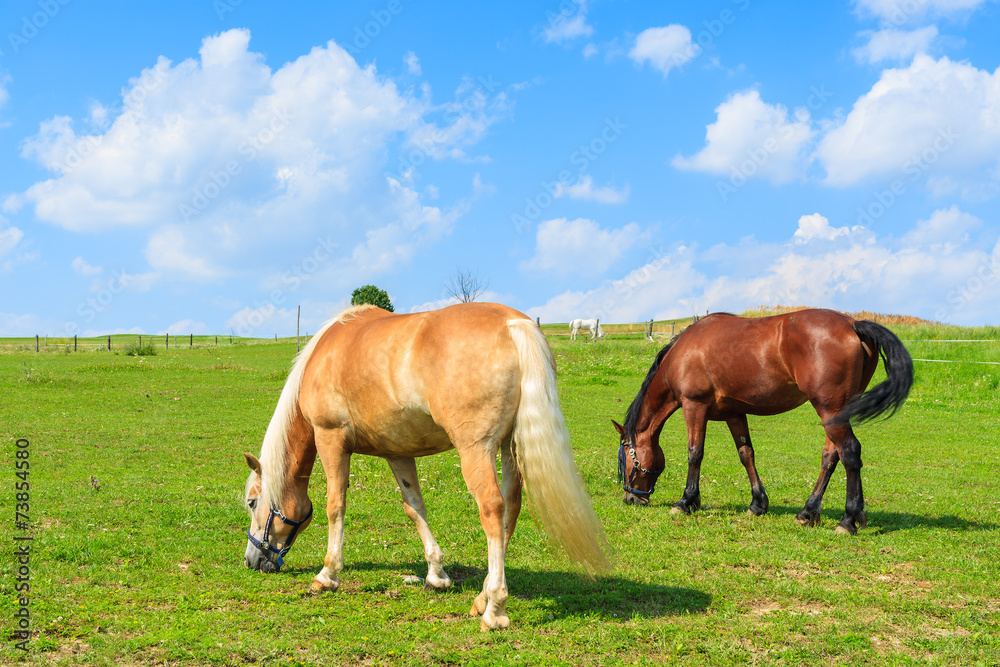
(844,530)
(316,588)
(478,606)
(497,623)
(803,522)
(677,510)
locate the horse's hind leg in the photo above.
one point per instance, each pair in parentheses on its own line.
(405,471)
(854,507)
(510,488)
(741,436)
(479,471)
(810,514)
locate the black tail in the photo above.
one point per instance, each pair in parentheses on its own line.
(888,395)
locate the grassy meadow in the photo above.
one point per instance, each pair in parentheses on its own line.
(139,531)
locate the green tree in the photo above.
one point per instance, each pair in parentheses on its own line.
(373,295)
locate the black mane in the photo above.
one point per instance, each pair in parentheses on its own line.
(632,416)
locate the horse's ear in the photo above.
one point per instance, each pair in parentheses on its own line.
(619,428)
(252,462)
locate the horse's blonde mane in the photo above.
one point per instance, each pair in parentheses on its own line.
(274,451)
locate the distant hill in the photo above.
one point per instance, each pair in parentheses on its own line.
(881,318)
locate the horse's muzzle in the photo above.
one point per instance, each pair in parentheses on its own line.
(633,499)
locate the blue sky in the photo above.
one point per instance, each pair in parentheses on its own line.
(207,167)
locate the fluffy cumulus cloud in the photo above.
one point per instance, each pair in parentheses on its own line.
(565,247)
(753,138)
(895,45)
(664,48)
(818,265)
(935,114)
(220,157)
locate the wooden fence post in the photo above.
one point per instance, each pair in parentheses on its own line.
(74,342)
(167,345)
(191,344)
(36,342)
(109,342)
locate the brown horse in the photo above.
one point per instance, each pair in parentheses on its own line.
(479,378)
(724,368)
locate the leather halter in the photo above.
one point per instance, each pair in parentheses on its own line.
(265,546)
(636,468)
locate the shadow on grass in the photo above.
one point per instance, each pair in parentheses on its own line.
(564,594)
(878,521)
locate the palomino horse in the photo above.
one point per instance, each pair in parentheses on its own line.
(593,326)
(476,377)
(725,367)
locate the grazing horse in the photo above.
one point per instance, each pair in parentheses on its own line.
(593,326)
(476,377)
(725,367)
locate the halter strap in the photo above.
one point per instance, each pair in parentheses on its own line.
(636,468)
(265,546)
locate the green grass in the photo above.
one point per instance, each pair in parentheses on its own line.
(147,569)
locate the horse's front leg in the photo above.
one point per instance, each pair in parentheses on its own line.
(337,465)
(696,420)
(405,471)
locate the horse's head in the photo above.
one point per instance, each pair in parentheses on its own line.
(268,540)
(637,482)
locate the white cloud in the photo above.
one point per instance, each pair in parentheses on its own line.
(933,114)
(412,63)
(168,251)
(82,268)
(665,48)
(927,272)
(753,138)
(10,237)
(569,24)
(816,226)
(570,246)
(896,45)
(224,160)
(903,12)
(584,189)
(945,229)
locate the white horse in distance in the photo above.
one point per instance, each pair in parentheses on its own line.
(593,326)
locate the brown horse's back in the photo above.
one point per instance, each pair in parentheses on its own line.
(765,365)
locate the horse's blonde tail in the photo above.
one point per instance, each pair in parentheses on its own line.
(545,457)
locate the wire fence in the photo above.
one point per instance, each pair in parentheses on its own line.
(133,343)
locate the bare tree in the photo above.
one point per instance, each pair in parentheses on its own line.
(466,286)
